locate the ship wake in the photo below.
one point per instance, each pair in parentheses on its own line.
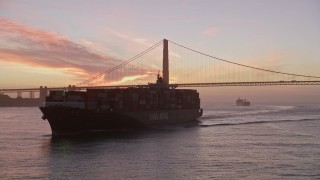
(256,122)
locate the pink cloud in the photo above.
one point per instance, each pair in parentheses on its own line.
(210,31)
(139,40)
(276,57)
(29,46)
(275,60)
(33,47)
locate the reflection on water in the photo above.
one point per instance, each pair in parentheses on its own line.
(127,154)
(263,142)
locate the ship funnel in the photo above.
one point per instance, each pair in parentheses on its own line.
(165,63)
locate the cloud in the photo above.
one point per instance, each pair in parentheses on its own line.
(210,31)
(81,58)
(33,47)
(142,41)
(275,60)
(130,79)
(276,57)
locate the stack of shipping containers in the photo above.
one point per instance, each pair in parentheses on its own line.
(131,99)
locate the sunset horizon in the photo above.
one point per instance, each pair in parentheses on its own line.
(170,89)
(60,44)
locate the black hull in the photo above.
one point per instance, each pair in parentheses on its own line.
(68,121)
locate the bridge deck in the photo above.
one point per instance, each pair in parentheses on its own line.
(212,84)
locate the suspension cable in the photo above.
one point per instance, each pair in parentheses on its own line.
(261,69)
(120,65)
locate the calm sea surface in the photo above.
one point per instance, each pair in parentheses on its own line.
(258,142)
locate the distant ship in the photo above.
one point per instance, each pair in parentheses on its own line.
(242,102)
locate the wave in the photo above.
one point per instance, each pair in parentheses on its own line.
(256,122)
(248,112)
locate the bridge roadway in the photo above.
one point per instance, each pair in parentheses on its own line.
(212,84)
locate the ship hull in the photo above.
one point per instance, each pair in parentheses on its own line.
(68,121)
(243,104)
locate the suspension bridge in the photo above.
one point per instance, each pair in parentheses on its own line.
(187,67)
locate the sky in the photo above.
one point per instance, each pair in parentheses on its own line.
(58,42)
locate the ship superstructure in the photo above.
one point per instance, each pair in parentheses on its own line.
(242,102)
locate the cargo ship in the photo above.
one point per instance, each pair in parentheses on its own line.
(149,106)
(242,102)
(73,112)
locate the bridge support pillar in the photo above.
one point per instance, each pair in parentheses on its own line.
(165,63)
(31,94)
(19,94)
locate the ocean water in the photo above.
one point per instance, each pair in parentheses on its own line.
(257,142)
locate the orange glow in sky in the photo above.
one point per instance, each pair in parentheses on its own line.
(78,41)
